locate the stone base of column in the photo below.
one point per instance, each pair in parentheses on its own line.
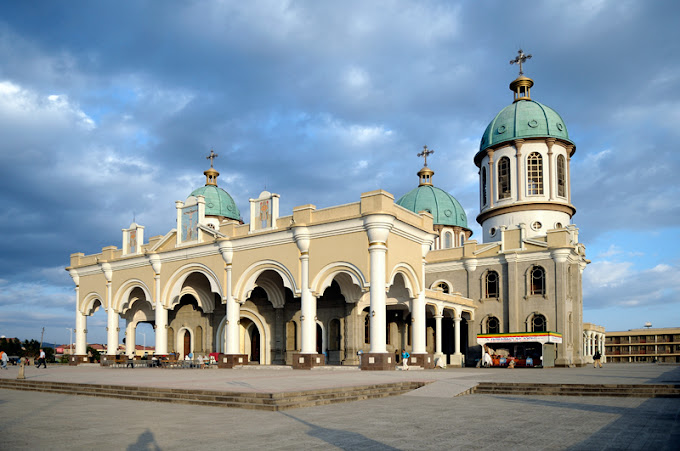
(351,361)
(441,357)
(456,360)
(106,360)
(377,361)
(308,361)
(75,359)
(426,361)
(231,360)
(562,362)
(579,362)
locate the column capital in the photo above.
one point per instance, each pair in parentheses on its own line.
(108,272)
(155,261)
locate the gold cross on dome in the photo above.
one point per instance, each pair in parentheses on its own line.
(521,58)
(425,153)
(211,157)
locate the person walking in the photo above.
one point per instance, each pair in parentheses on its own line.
(42,359)
(4,359)
(404,359)
(596,359)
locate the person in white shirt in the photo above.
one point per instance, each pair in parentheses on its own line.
(42,360)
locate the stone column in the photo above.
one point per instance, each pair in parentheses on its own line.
(232,345)
(308,357)
(350,335)
(457,357)
(560,256)
(418,328)
(160,312)
(279,336)
(551,178)
(233,311)
(378,228)
(438,334)
(81,333)
(514,285)
(81,319)
(520,174)
(490,153)
(438,338)
(568,180)
(130,339)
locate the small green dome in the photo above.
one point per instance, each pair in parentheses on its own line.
(445,209)
(218,202)
(524,119)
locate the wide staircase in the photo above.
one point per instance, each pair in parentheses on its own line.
(630,390)
(257,401)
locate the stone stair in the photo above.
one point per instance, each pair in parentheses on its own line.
(630,390)
(258,401)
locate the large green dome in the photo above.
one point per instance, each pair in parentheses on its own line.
(218,202)
(445,209)
(524,119)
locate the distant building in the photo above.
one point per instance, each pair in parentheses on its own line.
(643,345)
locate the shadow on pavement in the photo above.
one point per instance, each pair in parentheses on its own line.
(651,425)
(340,438)
(145,441)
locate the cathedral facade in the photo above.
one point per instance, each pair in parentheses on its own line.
(356,283)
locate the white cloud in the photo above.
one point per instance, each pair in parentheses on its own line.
(607,283)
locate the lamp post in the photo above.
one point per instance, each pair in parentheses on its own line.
(70,341)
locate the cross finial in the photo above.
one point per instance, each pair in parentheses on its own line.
(425,153)
(521,58)
(211,157)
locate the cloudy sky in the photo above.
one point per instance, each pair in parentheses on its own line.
(108,109)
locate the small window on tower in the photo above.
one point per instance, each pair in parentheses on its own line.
(483,186)
(561,176)
(535,174)
(504,191)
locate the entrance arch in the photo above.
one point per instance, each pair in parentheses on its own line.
(254,338)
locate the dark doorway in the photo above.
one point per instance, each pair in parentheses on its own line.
(187,342)
(255,345)
(319,340)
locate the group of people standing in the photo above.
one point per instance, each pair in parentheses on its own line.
(41,360)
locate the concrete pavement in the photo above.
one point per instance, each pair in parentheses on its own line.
(429,418)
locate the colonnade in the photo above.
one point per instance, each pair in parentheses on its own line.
(593,341)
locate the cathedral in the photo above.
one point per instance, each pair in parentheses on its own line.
(354,284)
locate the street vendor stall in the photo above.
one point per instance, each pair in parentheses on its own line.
(523,349)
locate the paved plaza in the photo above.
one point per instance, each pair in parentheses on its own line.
(432,417)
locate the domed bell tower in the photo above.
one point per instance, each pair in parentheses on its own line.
(523,163)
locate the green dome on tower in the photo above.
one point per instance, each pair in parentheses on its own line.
(445,209)
(524,119)
(218,202)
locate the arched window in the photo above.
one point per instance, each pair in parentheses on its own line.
(443,286)
(504,190)
(483,186)
(493,326)
(561,176)
(535,174)
(447,240)
(462,239)
(367,330)
(537,281)
(538,324)
(491,285)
